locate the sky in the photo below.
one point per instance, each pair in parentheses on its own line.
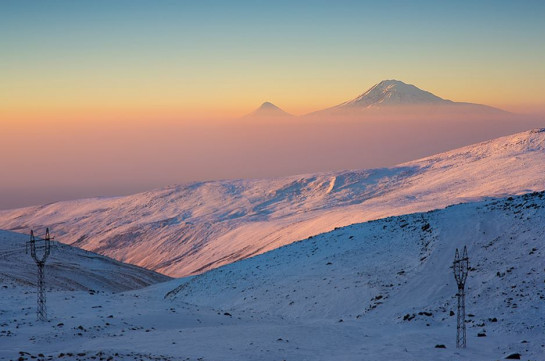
(93,93)
(145,59)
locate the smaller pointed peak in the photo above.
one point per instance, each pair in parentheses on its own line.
(268,105)
(267,110)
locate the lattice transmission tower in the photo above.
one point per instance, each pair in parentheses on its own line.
(44,246)
(461,268)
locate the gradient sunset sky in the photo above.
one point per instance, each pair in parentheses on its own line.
(113,97)
(94,60)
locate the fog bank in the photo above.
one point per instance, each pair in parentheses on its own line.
(47,163)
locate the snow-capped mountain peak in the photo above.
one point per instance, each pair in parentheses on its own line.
(393,92)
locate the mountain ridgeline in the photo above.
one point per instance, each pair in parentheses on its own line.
(188,229)
(390,97)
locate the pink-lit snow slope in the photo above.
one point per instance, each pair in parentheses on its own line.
(188,229)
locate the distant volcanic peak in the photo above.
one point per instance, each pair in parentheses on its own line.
(268,109)
(393,92)
(268,105)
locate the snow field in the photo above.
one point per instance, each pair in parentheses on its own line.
(381,290)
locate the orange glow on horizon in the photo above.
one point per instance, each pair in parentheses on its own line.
(301,97)
(143,113)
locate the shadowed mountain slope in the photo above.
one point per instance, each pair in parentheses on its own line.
(69,268)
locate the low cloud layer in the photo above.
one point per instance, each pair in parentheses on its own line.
(46,163)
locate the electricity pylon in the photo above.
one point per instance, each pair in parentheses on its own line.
(461,268)
(41,310)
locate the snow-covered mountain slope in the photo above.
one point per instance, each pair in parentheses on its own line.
(68,268)
(395,275)
(407,257)
(183,230)
(391,94)
(382,290)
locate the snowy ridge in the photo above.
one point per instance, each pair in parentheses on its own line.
(381,290)
(188,229)
(69,268)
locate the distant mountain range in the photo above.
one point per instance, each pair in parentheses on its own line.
(388,95)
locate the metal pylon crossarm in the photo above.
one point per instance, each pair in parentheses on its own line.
(41,310)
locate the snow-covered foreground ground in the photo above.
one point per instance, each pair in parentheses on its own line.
(381,290)
(183,230)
